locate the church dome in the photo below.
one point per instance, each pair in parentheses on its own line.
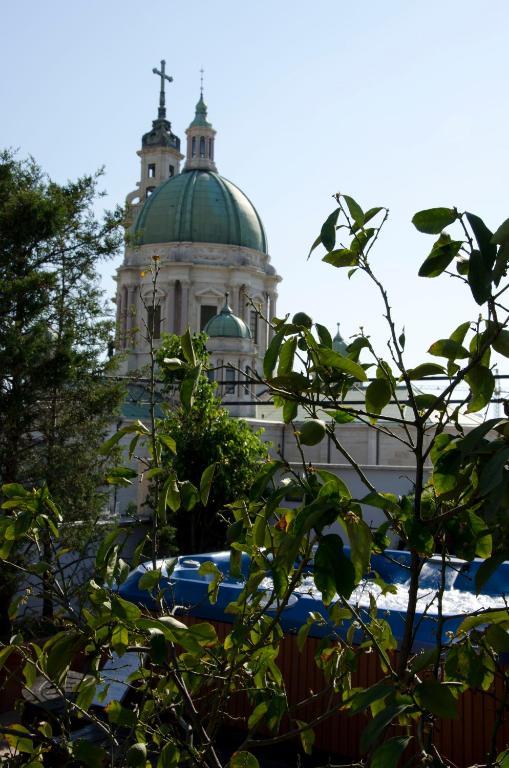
(200,206)
(227,324)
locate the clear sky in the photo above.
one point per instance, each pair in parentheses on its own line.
(400,103)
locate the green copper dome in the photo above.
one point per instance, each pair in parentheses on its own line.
(200,206)
(227,324)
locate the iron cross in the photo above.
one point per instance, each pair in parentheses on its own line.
(162,74)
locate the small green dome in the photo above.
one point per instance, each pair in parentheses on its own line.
(338,345)
(227,324)
(200,116)
(199,206)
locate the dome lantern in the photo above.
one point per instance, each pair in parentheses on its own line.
(200,139)
(338,344)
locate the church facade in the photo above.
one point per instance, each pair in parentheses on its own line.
(214,269)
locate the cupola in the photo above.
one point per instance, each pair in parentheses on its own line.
(338,344)
(200,140)
(226,324)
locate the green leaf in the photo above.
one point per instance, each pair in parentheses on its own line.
(14,490)
(479,278)
(376,727)
(5,653)
(372,213)
(433,220)
(307,737)
(243,760)
(168,442)
(315,245)
(290,382)
(443,252)
(172,492)
(449,349)
(356,211)
(473,440)
(286,356)
(341,417)
(188,388)
(503,759)
(332,359)
(271,355)
(482,384)
(362,698)
(359,534)
(119,639)
(388,753)
(422,660)
(492,472)
(186,342)
(343,257)
(89,753)
(382,501)
(340,486)
(158,647)
(324,335)
(265,474)
(86,692)
(149,579)
(458,335)
(210,568)
(501,343)
(488,568)
(378,395)
(484,237)
(138,427)
(501,263)
(501,235)
(419,537)
(169,757)
(328,231)
(61,649)
(436,698)
(425,369)
(290,409)
(123,609)
(206,483)
(484,617)
(257,714)
(119,715)
(334,573)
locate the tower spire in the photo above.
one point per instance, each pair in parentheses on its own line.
(161,113)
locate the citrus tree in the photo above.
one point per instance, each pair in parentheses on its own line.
(460,487)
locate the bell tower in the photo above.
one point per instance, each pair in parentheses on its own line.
(160,151)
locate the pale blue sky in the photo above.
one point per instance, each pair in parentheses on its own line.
(400,103)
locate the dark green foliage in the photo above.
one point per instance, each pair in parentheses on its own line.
(56,402)
(206,434)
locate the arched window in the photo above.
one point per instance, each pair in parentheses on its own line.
(202,146)
(172,170)
(149,191)
(211,149)
(151,170)
(193,146)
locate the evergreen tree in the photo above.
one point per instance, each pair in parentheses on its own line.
(55,398)
(205,434)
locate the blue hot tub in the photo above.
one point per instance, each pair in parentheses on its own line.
(187,588)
